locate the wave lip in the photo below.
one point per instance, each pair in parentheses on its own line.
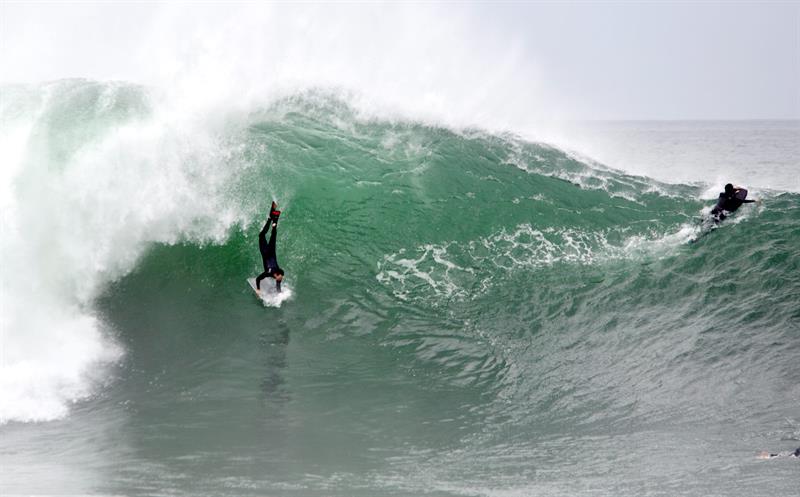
(97,172)
(100,172)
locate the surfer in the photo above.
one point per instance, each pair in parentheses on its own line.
(770,455)
(267,248)
(729,200)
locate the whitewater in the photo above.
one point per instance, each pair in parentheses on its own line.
(477,304)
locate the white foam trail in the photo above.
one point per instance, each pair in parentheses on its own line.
(80,215)
(447,270)
(274,299)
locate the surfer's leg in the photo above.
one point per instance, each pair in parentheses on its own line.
(263,246)
(269,249)
(274,213)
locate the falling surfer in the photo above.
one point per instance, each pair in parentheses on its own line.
(267,248)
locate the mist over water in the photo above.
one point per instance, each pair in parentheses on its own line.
(424,61)
(473,311)
(99,179)
(757,153)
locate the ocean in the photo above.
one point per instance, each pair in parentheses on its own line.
(470,312)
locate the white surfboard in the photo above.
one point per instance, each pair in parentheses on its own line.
(268,294)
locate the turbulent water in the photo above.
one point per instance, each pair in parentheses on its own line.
(470,314)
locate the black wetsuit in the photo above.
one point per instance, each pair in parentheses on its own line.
(727,202)
(268,256)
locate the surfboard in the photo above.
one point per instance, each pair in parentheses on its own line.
(741,193)
(268,295)
(252,283)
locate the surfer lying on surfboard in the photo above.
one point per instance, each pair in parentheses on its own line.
(267,248)
(770,455)
(729,200)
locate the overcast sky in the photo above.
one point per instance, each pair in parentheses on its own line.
(666,59)
(578,60)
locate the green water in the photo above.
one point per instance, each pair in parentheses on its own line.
(471,314)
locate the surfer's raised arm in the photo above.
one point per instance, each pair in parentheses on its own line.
(263,232)
(741,193)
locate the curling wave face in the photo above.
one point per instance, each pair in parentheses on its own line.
(513,302)
(94,175)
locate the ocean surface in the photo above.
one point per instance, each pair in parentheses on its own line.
(469,313)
